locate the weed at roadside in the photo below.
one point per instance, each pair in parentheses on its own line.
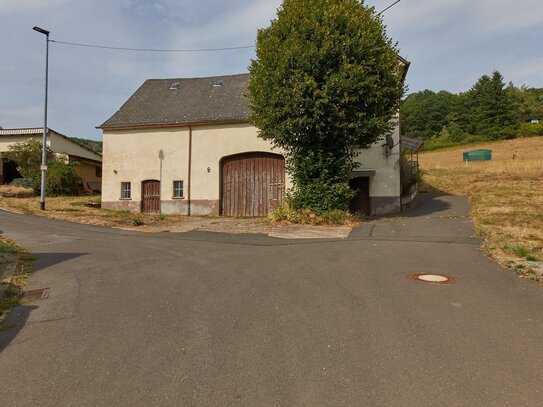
(12,295)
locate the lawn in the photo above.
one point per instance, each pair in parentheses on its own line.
(506,195)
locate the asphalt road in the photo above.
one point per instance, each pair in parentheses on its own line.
(202,319)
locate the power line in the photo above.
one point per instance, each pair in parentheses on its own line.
(389,7)
(75,44)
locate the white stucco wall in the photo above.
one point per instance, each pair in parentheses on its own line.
(386,163)
(60,144)
(7,141)
(133,156)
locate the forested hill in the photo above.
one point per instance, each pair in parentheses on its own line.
(490,110)
(94,145)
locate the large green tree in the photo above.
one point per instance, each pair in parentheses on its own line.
(425,113)
(326,81)
(495,112)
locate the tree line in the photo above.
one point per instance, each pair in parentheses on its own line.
(490,110)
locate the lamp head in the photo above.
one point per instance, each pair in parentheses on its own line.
(41,30)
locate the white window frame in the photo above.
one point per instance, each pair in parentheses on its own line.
(126,193)
(180,190)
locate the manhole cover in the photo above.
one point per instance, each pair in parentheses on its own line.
(432,278)
(40,294)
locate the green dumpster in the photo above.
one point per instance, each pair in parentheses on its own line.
(478,155)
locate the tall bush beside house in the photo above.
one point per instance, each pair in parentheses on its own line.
(62,178)
(326,81)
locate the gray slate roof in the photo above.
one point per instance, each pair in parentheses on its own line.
(196,101)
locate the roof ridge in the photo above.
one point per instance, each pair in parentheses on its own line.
(198,77)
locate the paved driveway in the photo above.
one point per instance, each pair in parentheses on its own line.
(203,319)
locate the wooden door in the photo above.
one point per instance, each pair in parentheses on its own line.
(360,204)
(252,184)
(150,201)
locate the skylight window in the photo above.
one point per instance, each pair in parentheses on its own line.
(175,86)
(218,83)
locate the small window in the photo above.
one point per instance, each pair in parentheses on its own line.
(126,190)
(98,172)
(178,189)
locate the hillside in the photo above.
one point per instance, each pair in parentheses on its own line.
(94,145)
(506,195)
(489,110)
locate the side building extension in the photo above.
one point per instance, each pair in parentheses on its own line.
(90,162)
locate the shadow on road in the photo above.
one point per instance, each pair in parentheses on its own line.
(15,321)
(428,204)
(45,260)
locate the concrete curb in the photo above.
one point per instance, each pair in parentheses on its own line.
(310,232)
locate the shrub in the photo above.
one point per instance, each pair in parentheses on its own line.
(22,182)
(529,129)
(306,216)
(322,196)
(137,221)
(62,178)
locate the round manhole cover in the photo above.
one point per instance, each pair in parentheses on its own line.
(432,278)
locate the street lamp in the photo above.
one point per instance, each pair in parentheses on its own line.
(44,137)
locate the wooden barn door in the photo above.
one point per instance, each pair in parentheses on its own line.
(252,184)
(150,201)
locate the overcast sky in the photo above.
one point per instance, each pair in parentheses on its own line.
(450,43)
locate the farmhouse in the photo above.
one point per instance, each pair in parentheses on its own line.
(186,146)
(90,163)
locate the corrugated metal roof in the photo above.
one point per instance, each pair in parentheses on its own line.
(19,132)
(412,144)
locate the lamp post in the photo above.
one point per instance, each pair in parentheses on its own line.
(44,137)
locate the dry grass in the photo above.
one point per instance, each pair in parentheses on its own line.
(506,194)
(74,209)
(16,191)
(10,252)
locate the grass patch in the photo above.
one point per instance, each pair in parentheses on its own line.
(9,246)
(506,193)
(9,251)
(87,210)
(16,191)
(286,214)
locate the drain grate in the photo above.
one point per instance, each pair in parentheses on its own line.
(432,278)
(40,294)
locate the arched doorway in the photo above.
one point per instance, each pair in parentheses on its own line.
(252,184)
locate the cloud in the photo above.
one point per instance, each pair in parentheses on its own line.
(506,15)
(29,6)
(450,43)
(31,114)
(421,15)
(519,72)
